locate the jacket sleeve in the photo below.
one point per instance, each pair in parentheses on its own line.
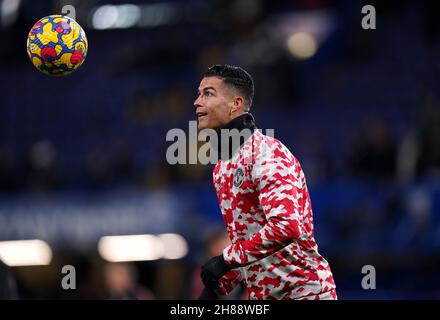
(229,281)
(280,182)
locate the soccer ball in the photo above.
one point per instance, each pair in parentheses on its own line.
(57,45)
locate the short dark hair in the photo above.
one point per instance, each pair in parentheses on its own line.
(236,77)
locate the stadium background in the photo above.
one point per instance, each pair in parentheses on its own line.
(82,157)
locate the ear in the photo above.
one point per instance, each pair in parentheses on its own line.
(237,105)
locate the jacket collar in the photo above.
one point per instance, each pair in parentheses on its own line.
(245,121)
(230,140)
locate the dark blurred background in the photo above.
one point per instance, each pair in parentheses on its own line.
(83,156)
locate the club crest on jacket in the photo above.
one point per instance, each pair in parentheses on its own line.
(238,177)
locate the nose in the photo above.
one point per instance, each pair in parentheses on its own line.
(197,102)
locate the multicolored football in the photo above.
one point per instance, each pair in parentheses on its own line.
(57,45)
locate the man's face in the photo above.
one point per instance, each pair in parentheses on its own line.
(213,104)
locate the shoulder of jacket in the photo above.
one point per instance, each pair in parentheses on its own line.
(270,146)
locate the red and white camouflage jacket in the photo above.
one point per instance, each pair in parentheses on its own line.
(267,210)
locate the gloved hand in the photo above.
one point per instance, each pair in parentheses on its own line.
(213,270)
(208,294)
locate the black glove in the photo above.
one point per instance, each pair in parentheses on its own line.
(208,294)
(213,270)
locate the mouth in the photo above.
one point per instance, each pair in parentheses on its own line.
(200,115)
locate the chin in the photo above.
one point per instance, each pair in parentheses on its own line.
(203,125)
